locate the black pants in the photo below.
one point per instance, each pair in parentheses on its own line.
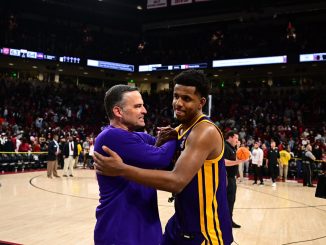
(273,171)
(306,169)
(231,193)
(258,172)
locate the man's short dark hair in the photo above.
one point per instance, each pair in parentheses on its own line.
(114,97)
(195,78)
(231,133)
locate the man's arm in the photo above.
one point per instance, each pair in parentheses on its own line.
(310,155)
(229,153)
(230,163)
(204,142)
(138,149)
(65,151)
(261,157)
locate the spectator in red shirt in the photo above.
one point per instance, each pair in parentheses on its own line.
(24,146)
(36,145)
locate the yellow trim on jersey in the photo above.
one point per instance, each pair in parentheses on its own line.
(218,226)
(201,204)
(208,206)
(186,130)
(219,157)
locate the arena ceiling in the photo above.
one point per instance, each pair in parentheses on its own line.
(123,14)
(133,15)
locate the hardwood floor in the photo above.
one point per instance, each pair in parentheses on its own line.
(35,210)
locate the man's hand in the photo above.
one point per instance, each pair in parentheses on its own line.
(165,134)
(109,166)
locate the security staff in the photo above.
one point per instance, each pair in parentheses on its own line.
(307,159)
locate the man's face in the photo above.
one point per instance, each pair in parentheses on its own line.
(133,110)
(233,140)
(186,102)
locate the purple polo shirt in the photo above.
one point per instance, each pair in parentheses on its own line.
(128,212)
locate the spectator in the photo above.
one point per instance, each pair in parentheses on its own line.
(257,163)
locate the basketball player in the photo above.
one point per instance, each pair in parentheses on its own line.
(198,180)
(128,212)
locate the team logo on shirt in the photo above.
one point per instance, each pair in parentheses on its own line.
(182,143)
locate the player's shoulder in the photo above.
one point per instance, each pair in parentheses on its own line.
(111,133)
(205,125)
(207,129)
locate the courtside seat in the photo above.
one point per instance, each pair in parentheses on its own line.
(43,160)
(12,166)
(3,163)
(292,171)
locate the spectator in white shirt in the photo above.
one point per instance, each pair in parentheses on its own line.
(257,162)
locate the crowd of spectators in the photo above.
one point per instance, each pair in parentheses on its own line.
(32,110)
(288,115)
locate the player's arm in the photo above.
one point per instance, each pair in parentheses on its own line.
(201,144)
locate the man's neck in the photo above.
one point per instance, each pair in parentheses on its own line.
(185,126)
(230,143)
(117,124)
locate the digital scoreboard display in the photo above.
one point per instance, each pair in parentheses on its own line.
(313,57)
(251,61)
(160,67)
(24,53)
(69,59)
(111,65)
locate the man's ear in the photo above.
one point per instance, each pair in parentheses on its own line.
(117,111)
(202,103)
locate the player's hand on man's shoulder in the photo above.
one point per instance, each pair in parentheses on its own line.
(165,134)
(109,166)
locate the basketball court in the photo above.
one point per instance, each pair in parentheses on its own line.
(36,210)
